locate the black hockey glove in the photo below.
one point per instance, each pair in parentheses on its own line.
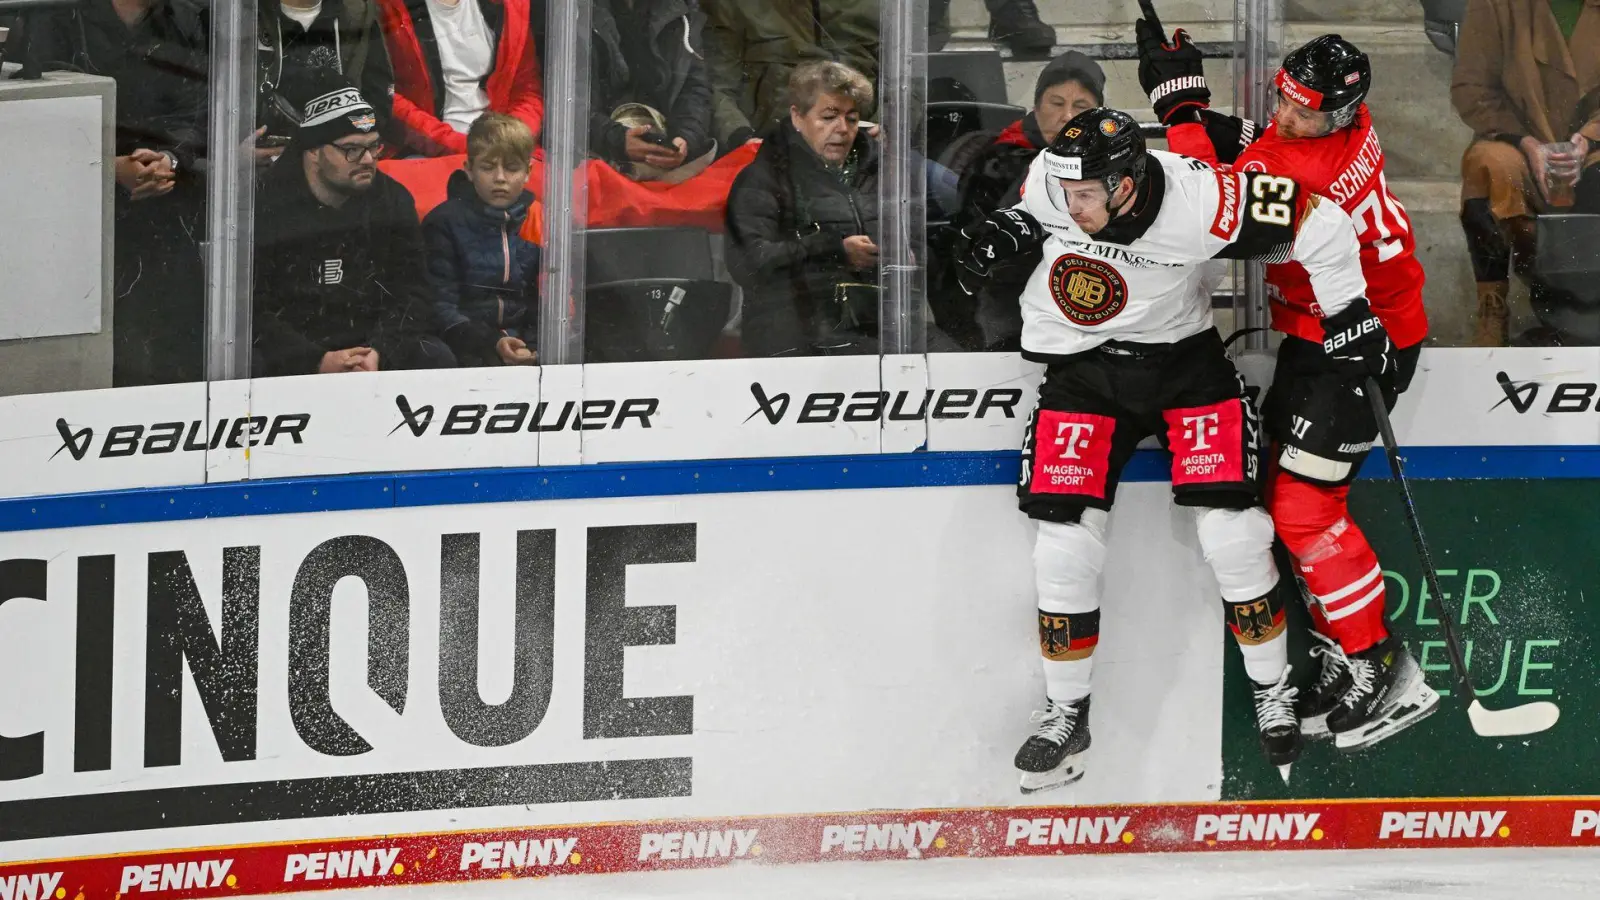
(1172,72)
(1356,341)
(1005,234)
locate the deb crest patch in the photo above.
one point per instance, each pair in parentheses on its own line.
(1108,128)
(364,121)
(1088,291)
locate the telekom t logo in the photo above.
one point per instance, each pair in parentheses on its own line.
(1198,428)
(1077,440)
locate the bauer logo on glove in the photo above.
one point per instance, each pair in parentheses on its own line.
(1356,342)
(1354,333)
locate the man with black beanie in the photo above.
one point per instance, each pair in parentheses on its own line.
(340,284)
(1070,84)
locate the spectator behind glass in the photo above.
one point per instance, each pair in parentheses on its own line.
(752,47)
(155,50)
(803,223)
(455,60)
(1070,84)
(340,284)
(644,65)
(293,36)
(483,273)
(1527,73)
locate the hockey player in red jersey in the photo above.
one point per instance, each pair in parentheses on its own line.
(1321,136)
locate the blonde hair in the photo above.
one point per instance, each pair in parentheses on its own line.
(810,81)
(497,137)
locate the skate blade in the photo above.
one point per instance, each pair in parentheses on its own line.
(1418,704)
(1069,772)
(1315,727)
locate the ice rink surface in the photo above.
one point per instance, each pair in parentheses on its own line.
(1305,875)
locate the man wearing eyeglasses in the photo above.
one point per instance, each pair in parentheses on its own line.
(340,284)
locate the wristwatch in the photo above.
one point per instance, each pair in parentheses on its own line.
(172,160)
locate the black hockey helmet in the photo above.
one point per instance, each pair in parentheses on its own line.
(1098,143)
(1329,75)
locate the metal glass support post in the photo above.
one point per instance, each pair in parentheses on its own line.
(903,185)
(1257,29)
(565,191)
(230,190)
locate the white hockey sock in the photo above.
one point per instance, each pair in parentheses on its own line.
(1264,662)
(1238,545)
(1067,559)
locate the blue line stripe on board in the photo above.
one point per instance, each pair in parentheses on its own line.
(334,493)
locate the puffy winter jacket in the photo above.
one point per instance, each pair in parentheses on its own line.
(483,273)
(513,84)
(993,180)
(788,216)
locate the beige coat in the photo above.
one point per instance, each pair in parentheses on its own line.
(1515,74)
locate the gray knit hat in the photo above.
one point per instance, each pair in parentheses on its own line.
(1072,66)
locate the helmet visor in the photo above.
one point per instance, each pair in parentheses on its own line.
(1057,168)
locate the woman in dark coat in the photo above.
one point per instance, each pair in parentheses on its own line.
(803,223)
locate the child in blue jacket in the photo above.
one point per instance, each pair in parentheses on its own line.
(483,273)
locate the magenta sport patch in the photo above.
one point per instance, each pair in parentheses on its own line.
(1207,443)
(1072,453)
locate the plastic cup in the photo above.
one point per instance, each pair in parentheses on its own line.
(1561,181)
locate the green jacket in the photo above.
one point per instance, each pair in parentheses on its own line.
(752,47)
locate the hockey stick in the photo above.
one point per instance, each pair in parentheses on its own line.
(1525,719)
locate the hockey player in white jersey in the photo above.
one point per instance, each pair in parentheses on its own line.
(1119,310)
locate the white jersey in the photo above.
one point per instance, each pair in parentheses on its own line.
(1148,277)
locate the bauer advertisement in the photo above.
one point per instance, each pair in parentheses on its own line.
(481,418)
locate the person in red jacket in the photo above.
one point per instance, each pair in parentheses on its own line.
(455,60)
(1321,136)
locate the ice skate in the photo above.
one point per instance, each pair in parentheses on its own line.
(1280,728)
(1333,680)
(1387,695)
(1052,756)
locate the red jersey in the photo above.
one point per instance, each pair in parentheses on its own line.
(1346,167)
